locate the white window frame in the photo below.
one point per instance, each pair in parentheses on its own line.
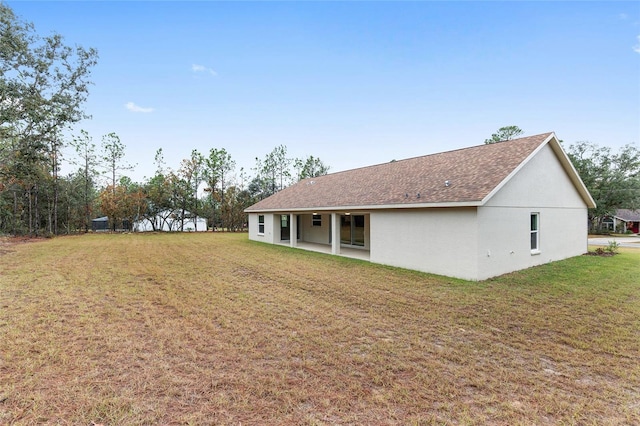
(534,231)
(316,220)
(260,224)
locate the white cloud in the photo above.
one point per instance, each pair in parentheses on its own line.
(636,48)
(135,108)
(202,68)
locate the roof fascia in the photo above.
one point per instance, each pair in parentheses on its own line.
(372,207)
(627,219)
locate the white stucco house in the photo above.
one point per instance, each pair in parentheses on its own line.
(471,213)
(171,221)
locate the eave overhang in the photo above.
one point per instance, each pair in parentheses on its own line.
(367,208)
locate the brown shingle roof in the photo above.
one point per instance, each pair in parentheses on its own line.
(472,174)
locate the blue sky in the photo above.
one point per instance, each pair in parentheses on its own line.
(354,83)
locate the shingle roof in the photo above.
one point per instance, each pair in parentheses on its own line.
(472,174)
(628,215)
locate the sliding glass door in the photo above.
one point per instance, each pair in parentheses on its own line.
(352,230)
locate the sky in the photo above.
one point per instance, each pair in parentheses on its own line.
(353,83)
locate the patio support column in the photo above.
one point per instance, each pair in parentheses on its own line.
(293,240)
(335,233)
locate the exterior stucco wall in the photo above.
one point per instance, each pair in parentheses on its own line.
(440,241)
(271,228)
(504,243)
(543,187)
(542,182)
(315,234)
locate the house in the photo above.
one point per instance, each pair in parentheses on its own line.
(471,213)
(171,221)
(622,221)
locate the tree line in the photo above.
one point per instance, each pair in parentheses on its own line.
(43,86)
(206,186)
(202,186)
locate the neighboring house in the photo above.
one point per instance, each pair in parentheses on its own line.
(471,213)
(622,221)
(171,221)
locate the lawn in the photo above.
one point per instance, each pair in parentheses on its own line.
(215,329)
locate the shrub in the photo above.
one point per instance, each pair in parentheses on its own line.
(612,247)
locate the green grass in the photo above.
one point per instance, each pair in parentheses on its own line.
(215,329)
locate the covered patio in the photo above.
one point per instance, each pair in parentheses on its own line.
(339,233)
(354,253)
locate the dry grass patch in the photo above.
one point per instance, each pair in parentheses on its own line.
(214,329)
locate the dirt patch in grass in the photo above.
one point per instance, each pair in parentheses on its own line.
(214,329)
(6,242)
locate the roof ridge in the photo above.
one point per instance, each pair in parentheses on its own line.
(546,135)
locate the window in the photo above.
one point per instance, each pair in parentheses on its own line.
(261,224)
(607,224)
(535,233)
(316,220)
